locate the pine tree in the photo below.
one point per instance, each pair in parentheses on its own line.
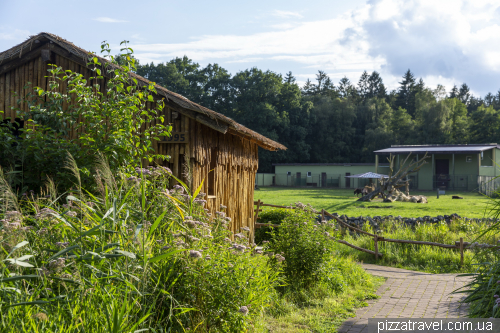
(464,94)
(406,93)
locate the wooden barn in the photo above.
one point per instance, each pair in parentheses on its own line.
(203,140)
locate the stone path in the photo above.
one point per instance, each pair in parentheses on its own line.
(409,294)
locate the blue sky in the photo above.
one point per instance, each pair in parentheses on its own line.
(444,41)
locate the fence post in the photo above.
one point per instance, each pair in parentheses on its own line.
(461,251)
(375,241)
(322,215)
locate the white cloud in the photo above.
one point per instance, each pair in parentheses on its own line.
(446,41)
(108,20)
(286,14)
(14,34)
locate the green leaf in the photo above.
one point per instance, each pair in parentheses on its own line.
(28,303)
(126,253)
(157,222)
(63,251)
(165,255)
(20,245)
(19,263)
(21,277)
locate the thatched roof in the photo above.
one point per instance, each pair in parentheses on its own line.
(229,124)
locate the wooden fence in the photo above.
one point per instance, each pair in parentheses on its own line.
(461,245)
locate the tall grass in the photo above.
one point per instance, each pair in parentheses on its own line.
(130,256)
(420,257)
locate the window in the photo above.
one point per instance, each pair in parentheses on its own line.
(308,173)
(468,159)
(288,173)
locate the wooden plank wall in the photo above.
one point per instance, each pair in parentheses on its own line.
(237,158)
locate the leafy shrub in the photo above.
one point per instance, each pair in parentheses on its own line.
(305,246)
(271,216)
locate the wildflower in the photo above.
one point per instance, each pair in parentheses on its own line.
(201,195)
(239,248)
(58,263)
(207,257)
(258,252)
(45,212)
(193,239)
(12,215)
(190,224)
(71,213)
(208,236)
(40,316)
(195,254)
(62,244)
(227,240)
(265,242)
(27,228)
(498,301)
(279,258)
(223,207)
(228,219)
(496,296)
(243,310)
(220,214)
(166,247)
(159,241)
(240,236)
(327,233)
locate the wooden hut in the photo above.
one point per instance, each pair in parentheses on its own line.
(204,140)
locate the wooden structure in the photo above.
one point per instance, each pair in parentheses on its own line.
(205,146)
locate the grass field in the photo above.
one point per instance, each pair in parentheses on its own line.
(342,201)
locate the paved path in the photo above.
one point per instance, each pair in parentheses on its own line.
(409,294)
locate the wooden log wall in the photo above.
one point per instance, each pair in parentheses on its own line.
(237,158)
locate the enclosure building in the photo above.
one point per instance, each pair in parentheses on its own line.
(459,167)
(214,148)
(326,175)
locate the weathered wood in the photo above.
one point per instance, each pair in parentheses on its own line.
(461,251)
(357,247)
(375,245)
(395,181)
(348,226)
(418,243)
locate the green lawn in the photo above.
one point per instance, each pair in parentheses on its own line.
(342,201)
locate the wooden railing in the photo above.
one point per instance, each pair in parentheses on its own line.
(461,245)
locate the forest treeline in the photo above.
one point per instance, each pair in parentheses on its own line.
(322,122)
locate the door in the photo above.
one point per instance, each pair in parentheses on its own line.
(348,180)
(442,173)
(323,179)
(297,179)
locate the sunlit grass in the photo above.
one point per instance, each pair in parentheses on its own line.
(343,201)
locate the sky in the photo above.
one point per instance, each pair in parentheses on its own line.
(444,42)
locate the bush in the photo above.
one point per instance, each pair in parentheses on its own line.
(271,216)
(305,246)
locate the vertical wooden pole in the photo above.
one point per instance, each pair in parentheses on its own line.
(322,215)
(375,241)
(461,251)
(256,213)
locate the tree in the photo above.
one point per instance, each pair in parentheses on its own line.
(464,94)
(406,93)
